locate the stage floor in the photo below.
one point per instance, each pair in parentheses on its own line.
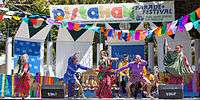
(98,98)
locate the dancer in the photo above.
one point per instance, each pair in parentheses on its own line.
(104,76)
(125,73)
(177,63)
(23,85)
(69,76)
(123,76)
(137,74)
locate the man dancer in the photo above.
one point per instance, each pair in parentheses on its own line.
(137,67)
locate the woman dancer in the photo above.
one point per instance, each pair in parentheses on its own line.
(23,85)
(177,63)
(69,76)
(104,76)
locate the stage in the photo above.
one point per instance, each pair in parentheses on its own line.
(98,98)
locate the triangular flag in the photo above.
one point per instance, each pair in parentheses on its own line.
(87,27)
(125,34)
(169,30)
(129,36)
(82,25)
(76,26)
(143,35)
(110,32)
(189,26)
(174,29)
(39,22)
(96,29)
(164,29)
(1,17)
(158,31)
(192,16)
(115,35)
(107,26)
(33,21)
(132,34)
(137,35)
(102,29)
(25,19)
(119,35)
(182,22)
(196,24)
(16,18)
(150,35)
(172,36)
(198,12)
(59,18)
(70,25)
(64,24)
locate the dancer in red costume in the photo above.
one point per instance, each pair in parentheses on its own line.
(23,85)
(104,76)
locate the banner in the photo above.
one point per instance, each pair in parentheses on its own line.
(123,12)
(33,51)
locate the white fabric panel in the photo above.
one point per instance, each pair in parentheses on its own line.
(86,37)
(64,35)
(23,31)
(66,49)
(42,34)
(182,38)
(9,61)
(42,59)
(49,53)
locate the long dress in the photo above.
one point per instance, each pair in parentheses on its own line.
(23,85)
(105,80)
(177,65)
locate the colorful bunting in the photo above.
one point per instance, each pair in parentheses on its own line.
(169,28)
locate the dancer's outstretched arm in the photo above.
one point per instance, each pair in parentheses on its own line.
(123,68)
(83,67)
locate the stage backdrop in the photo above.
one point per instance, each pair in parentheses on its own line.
(131,50)
(33,51)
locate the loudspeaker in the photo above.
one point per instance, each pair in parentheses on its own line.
(170,91)
(53,91)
